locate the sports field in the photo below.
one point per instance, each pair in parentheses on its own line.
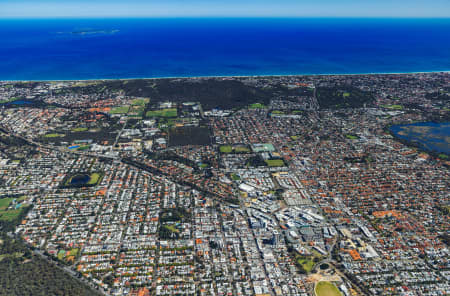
(234,149)
(54,135)
(170,112)
(326,289)
(275,162)
(257,106)
(226,149)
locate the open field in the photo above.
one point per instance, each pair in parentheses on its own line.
(275,162)
(94,178)
(80,129)
(73,252)
(4,203)
(306,262)
(351,137)
(136,111)
(9,215)
(84,147)
(171,228)
(61,254)
(326,289)
(241,149)
(256,106)
(140,102)
(235,177)
(54,135)
(234,149)
(120,110)
(393,107)
(225,149)
(169,112)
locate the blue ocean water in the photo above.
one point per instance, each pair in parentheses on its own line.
(130,48)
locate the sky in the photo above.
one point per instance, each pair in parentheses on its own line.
(223,8)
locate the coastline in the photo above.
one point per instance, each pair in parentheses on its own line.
(228,76)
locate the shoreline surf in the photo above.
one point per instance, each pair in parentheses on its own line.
(227,76)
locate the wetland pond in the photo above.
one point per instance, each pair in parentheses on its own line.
(429,136)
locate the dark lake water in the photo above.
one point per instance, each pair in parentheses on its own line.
(18,102)
(79,179)
(430,136)
(22,102)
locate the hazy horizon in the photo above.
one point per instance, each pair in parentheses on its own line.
(220,8)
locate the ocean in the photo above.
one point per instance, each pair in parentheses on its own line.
(69,49)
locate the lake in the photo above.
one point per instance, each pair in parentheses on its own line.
(80,180)
(430,136)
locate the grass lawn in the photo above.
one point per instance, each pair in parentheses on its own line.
(9,100)
(169,112)
(234,149)
(171,228)
(326,289)
(306,262)
(275,162)
(241,149)
(139,102)
(235,177)
(22,198)
(346,94)
(351,137)
(84,147)
(443,156)
(226,149)
(257,106)
(80,129)
(119,110)
(73,252)
(94,178)
(278,112)
(9,215)
(54,135)
(393,107)
(4,203)
(136,110)
(61,254)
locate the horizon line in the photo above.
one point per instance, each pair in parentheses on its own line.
(222,17)
(230,76)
